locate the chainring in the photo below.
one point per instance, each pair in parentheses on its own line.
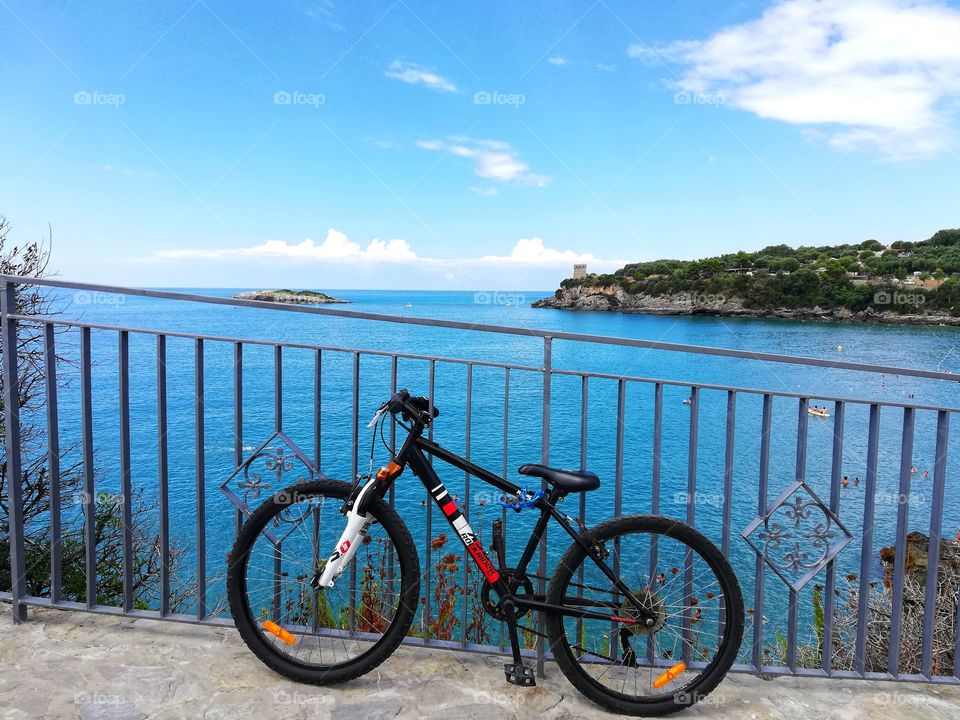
(508,574)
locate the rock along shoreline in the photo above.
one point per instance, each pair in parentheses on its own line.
(615,299)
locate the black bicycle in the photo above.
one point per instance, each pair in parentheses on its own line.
(643,614)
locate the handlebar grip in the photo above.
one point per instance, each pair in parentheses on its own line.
(396,403)
(421,404)
(410,405)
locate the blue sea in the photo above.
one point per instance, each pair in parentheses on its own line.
(934,348)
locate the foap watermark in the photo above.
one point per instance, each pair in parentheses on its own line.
(97,298)
(485,697)
(284,97)
(481,498)
(488,97)
(895,499)
(684,698)
(698,498)
(99,698)
(890,699)
(886,297)
(290,496)
(499,298)
(112,502)
(300,699)
(96,97)
(696,298)
(684,97)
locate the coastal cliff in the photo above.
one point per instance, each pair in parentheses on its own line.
(905,282)
(614,298)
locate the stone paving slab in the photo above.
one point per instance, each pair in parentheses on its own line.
(79,665)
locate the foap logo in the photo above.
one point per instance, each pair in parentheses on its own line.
(885,297)
(485,497)
(314,100)
(99,698)
(95,97)
(484,697)
(687,698)
(685,97)
(302,699)
(698,498)
(499,298)
(890,699)
(697,298)
(98,298)
(892,498)
(495,97)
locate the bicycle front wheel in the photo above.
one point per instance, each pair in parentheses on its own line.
(691,608)
(331,634)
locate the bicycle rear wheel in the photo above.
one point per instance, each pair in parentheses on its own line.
(690,596)
(332,634)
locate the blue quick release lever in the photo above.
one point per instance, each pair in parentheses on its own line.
(523,500)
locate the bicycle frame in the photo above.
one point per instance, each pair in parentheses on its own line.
(413,454)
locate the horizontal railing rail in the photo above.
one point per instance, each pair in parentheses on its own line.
(472,361)
(485,328)
(731,460)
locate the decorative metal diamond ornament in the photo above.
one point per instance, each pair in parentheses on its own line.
(798,536)
(274,465)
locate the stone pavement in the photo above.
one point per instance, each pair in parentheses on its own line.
(77,665)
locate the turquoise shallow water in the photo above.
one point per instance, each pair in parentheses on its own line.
(920,347)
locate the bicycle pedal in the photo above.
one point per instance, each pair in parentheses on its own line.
(520,674)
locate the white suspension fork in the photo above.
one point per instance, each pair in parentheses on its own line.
(349,542)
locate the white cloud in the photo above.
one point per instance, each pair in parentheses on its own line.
(532,251)
(485,191)
(557,60)
(414,74)
(873,75)
(430,144)
(492,159)
(337,248)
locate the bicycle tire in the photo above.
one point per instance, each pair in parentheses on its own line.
(702,684)
(253,635)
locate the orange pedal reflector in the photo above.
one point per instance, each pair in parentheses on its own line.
(669,675)
(273,628)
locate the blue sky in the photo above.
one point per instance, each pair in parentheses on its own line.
(323,144)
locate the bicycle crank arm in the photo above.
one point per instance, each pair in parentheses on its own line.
(348,544)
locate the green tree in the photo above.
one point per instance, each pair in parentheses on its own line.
(32,260)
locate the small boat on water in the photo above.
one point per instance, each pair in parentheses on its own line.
(818,412)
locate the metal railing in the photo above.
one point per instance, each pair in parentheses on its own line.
(822,598)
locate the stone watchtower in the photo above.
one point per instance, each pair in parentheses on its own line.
(579,271)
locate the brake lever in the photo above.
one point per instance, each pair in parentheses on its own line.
(377,415)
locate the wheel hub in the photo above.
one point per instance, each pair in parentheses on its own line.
(651,616)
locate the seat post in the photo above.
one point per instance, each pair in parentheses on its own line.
(556,494)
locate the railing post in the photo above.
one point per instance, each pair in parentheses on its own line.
(11,406)
(545,459)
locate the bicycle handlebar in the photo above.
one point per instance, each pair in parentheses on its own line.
(411,406)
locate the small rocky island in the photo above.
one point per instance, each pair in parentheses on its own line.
(295,297)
